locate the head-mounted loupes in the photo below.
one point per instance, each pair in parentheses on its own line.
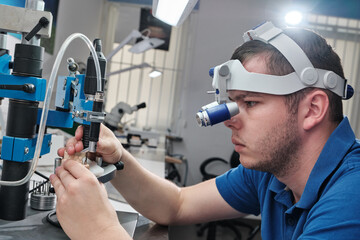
(232,75)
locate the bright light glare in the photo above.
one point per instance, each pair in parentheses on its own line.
(170,11)
(155,73)
(293,17)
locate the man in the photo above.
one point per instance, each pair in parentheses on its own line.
(299,163)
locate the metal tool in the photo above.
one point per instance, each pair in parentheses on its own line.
(103,171)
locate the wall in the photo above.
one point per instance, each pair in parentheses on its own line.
(83,16)
(220,25)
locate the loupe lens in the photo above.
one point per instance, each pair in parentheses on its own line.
(216,114)
(202,119)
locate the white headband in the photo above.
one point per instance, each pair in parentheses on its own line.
(231,75)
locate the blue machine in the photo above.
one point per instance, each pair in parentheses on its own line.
(77,100)
(71,103)
(21,88)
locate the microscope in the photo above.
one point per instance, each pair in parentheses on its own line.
(113,119)
(79,98)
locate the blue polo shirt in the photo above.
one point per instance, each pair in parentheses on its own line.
(329,207)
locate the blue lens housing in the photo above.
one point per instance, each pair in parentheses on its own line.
(218,114)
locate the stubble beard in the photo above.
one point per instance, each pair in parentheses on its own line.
(279,149)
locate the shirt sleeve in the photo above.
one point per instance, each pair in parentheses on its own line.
(237,188)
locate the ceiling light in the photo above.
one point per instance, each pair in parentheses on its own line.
(155,73)
(145,44)
(293,17)
(173,12)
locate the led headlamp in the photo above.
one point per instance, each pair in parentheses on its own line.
(232,75)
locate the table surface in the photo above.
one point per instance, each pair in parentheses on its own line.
(35,226)
(150,230)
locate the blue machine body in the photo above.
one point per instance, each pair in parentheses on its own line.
(4,64)
(15,148)
(39,83)
(71,90)
(70,97)
(23,149)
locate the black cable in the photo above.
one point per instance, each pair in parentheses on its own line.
(42,175)
(51,221)
(38,186)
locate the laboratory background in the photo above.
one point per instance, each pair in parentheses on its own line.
(209,36)
(157,77)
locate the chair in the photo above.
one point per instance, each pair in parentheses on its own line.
(231,224)
(172,172)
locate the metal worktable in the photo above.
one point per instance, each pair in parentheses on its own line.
(35,226)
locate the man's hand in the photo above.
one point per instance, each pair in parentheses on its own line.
(108,145)
(83,208)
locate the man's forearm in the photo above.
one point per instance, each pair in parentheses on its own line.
(115,233)
(154,197)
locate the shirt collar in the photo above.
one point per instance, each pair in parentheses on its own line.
(332,154)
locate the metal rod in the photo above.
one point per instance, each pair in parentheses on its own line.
(38,187)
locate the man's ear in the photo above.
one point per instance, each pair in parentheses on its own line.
(315,108)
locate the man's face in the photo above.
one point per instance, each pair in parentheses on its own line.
(264,133)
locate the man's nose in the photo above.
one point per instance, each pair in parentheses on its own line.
(232,122)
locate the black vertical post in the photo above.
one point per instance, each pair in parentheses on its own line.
(21,123)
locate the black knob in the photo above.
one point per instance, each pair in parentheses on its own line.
(43,22)
(141,105)
(119,165)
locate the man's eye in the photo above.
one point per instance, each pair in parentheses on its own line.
(250,103)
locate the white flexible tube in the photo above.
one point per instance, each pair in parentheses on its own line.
(47,99)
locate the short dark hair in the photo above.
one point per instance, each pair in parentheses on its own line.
(319,52)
